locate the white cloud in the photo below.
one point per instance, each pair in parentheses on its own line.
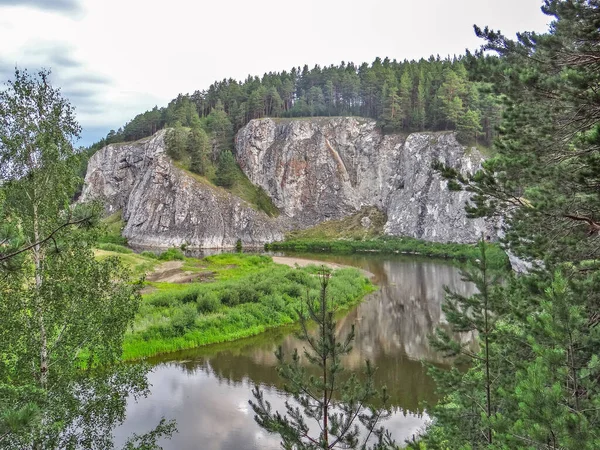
(144,53)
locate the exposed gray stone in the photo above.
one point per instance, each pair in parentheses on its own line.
(164,206)
(314,170)
(328,168)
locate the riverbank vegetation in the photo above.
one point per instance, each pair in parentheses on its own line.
(400,245)
(246,295)
(362,232)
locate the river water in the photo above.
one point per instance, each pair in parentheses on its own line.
(206,390)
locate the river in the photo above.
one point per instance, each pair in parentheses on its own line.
(206,390)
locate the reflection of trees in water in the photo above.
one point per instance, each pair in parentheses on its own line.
(405,311)
(392,327)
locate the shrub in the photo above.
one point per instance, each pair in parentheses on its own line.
(148,254)
(230,297)
(208,302)
(171,255)
(183,319)
(247,294)
(162,300)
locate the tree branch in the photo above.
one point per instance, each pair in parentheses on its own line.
(43,241)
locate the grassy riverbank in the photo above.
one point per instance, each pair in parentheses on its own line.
(236,296)
(385,244)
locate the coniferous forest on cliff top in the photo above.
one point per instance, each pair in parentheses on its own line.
(74,303)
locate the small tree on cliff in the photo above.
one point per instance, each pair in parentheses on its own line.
(226,171)
(334,400)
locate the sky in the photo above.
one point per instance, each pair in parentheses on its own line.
(114,59)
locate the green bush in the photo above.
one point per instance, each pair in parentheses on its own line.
(183,319)
(148,254)
(172,254)
(208,302)
(162,300)
(230,297)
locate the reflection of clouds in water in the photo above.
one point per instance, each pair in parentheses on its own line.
(207,394)
(207,412)
(214,415)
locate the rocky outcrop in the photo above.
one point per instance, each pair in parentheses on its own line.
(314,170)
(328,168)
(165,206)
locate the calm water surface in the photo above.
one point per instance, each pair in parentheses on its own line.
(207,390)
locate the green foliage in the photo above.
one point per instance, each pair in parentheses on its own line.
(226,170)
(468,397)
(171,254)
(138,264)
(250,294)
(541,366)
(176,141)
(405,96)
(113,247)
(199,151)
(238,245)
(385,244)
(313,396)
(148,254)
(64,313)
(112,232)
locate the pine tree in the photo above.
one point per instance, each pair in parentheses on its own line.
(198,147)
(392,110)
(226,170)
(468,127)
(334,400)
(176,141)
(470,393)
(405,94)
(544,181)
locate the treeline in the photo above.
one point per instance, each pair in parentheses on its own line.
(433,94)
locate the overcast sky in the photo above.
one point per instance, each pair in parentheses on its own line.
(116,58)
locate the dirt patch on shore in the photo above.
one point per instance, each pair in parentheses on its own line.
(301,262)
(171,272)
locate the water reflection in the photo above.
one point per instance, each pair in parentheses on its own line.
(206,390)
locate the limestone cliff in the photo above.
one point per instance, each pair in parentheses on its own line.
(165,206)
(328,168)
(314,170)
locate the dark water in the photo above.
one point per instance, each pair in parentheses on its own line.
(207,390)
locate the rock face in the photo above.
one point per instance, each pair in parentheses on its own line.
(164,206)
(314,170)
(328,168)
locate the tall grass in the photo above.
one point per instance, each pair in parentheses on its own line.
(246,299)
